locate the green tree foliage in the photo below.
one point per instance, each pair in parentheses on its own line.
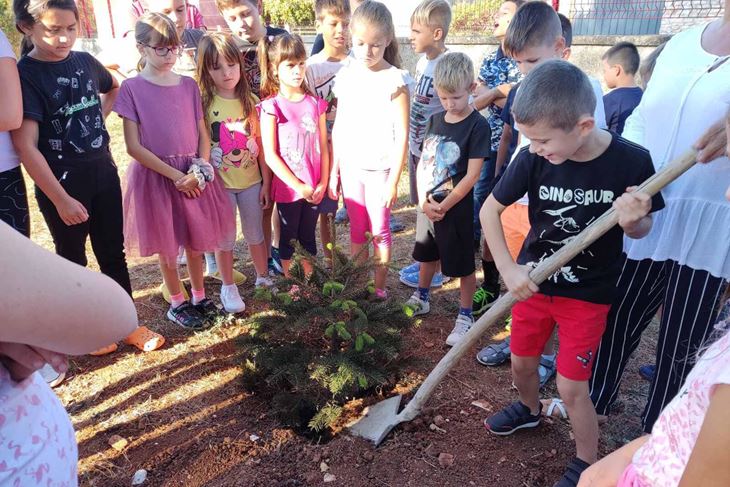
(7,25)
(294,13)
(474,16)
(322,342)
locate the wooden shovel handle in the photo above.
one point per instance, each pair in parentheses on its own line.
(544,270)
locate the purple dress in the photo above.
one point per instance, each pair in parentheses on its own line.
(158,218)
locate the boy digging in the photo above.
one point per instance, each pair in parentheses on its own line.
(455,145)
(573,172)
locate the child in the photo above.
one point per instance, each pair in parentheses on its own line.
(64,145)
(620,65)
(230,113)
(496,76)
(14,210)
(370,137)
(294,134)
(333,21)
(172,199)
(455,146)
(429,27)
(244,19)
(573,173)
(529,46)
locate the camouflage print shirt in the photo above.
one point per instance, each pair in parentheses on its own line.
(497,69)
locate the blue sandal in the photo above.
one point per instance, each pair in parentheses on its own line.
(495,354)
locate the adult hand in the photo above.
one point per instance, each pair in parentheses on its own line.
(22,360)
(713,143)
(71,211)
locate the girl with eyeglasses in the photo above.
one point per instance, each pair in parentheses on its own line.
(172,198)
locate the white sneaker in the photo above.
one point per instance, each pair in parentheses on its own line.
(418,305)
(462,325)
(231,299)
(266,282)
(50,375)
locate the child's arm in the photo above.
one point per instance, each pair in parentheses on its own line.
(609,469)
(11,98)
(402,106)
(461,190)
(516,277)
(144,156)
(708,465)
(25,140)
(277,165)
(633,213)
(203,141)
(486,96)
(321,190)
(54,304)
(108,98)
(265,193)
(503,150)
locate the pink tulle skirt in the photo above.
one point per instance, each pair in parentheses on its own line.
(159,219)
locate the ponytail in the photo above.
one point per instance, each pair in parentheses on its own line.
(272,51)
(269,84)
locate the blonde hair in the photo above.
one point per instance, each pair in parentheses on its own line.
(272,51)
(377,15)
(154,29)
(433,13)
(453,72)
(212,50)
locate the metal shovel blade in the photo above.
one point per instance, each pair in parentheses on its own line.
(377,420)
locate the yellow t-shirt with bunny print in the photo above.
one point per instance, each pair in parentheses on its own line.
(234,150)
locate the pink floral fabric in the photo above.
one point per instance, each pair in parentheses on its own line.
(37,441)
(662,460)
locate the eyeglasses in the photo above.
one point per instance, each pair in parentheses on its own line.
(164,51)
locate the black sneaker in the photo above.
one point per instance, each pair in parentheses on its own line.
(512,418)
(208,309)
(483,300)
(572,474)
(187,316)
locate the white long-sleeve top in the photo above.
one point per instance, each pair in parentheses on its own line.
(688,91)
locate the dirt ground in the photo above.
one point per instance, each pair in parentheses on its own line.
(189,422)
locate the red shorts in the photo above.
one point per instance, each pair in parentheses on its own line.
(581,325)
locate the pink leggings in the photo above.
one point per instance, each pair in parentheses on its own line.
(363,193)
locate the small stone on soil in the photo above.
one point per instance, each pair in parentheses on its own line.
(254,438)
(482,405)
(439,420)
(368,456)
(117,442)
(433,427)
(328,477)
(139,477)
(323,467)
(446,460)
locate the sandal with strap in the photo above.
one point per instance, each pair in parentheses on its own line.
(495,354)
(145,339)
(105,350)
(546,370)
(555,408)
(571,476)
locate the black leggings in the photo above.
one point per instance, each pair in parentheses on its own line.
(298,222)
(95,184)
(690,299)
(14,200)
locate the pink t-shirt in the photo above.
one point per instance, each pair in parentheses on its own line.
(37,441)
(297,129)
(661,460)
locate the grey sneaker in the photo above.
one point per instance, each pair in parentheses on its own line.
(418,305)
(461,326)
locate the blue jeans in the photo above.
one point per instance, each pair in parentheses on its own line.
(482,188)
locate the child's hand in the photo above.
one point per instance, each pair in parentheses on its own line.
(631,207)
(333,190)
(391,195)
(604,473)
(72,212)
(517,279)
(22,360)
(433,210)
(188,184)
(306,191)
(318,194)
(264,197)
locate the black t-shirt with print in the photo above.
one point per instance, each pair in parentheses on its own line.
(564,200)
(447,148)
(63,97)
(251,60)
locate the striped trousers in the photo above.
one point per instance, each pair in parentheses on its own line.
(691,303)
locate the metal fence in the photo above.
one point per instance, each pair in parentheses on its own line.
(600,17)
(631,17)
